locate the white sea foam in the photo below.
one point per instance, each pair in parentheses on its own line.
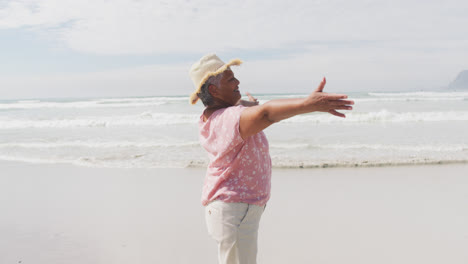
(143,119)
(389,97)
(81,161)
(28,101)
(103,147)
(413,97)
(36,160)
(409,99)
(202,163)
(383,147)
(145,99)
(98,103)
(364,163)
(155,101)
(382,116)
(297,146)
(422,94)
(155,154)
(91,104)
(99,145)
(161,119)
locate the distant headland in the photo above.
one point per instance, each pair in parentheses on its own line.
(461,82)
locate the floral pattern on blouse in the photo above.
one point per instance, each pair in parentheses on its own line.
(239,170)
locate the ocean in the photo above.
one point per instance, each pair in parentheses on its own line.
(384,129)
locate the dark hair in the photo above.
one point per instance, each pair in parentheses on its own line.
(204,94)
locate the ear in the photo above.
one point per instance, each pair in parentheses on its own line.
(213,90)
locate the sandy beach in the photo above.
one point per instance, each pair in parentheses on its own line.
(75,215)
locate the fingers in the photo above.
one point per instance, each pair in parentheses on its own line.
(325,102)
(340,105)
(347,102)
(251,98)
(335,113)
(343,107)
(336,103)
(337,96)
(321,85)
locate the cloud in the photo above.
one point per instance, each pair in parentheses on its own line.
(288,46)
(346,71)
(137,81)
(144,26)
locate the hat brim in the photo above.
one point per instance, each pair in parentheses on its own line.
(194,95)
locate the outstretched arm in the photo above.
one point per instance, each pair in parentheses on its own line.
(255,119)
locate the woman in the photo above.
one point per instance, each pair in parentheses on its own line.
(237,182)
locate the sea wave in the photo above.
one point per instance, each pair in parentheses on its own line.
(202,163)
(161,100)
(92,144)
(37,160)
(161,119)
(189,144)
(97,103)
(387,97)
(357,164)
(143,119)
(409,99)
(381,116)
(395,147)
(421,94)
(412,97)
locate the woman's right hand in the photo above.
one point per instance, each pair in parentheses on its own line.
(325,102)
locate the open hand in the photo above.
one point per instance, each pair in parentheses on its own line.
(325,102)
(251,98)
(251,102)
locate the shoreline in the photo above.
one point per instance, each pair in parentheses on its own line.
(298,165)
(371,165)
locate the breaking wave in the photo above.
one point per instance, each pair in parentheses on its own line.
(97,103)
(162,119)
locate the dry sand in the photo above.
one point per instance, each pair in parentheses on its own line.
(76,215)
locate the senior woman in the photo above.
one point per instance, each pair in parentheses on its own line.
(237,183)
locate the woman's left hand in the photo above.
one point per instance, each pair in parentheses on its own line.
(251,98)
(251,102)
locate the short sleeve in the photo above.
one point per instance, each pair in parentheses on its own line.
(225,126)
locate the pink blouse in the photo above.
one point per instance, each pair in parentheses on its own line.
(239,170)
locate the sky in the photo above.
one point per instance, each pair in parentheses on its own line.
(121,48)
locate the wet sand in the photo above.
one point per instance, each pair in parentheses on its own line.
(76,215)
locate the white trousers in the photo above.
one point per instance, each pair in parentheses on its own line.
(235,227)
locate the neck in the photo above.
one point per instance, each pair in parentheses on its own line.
(218,104)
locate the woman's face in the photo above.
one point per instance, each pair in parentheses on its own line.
(228,88)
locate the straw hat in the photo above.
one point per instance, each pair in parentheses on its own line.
(209,65)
